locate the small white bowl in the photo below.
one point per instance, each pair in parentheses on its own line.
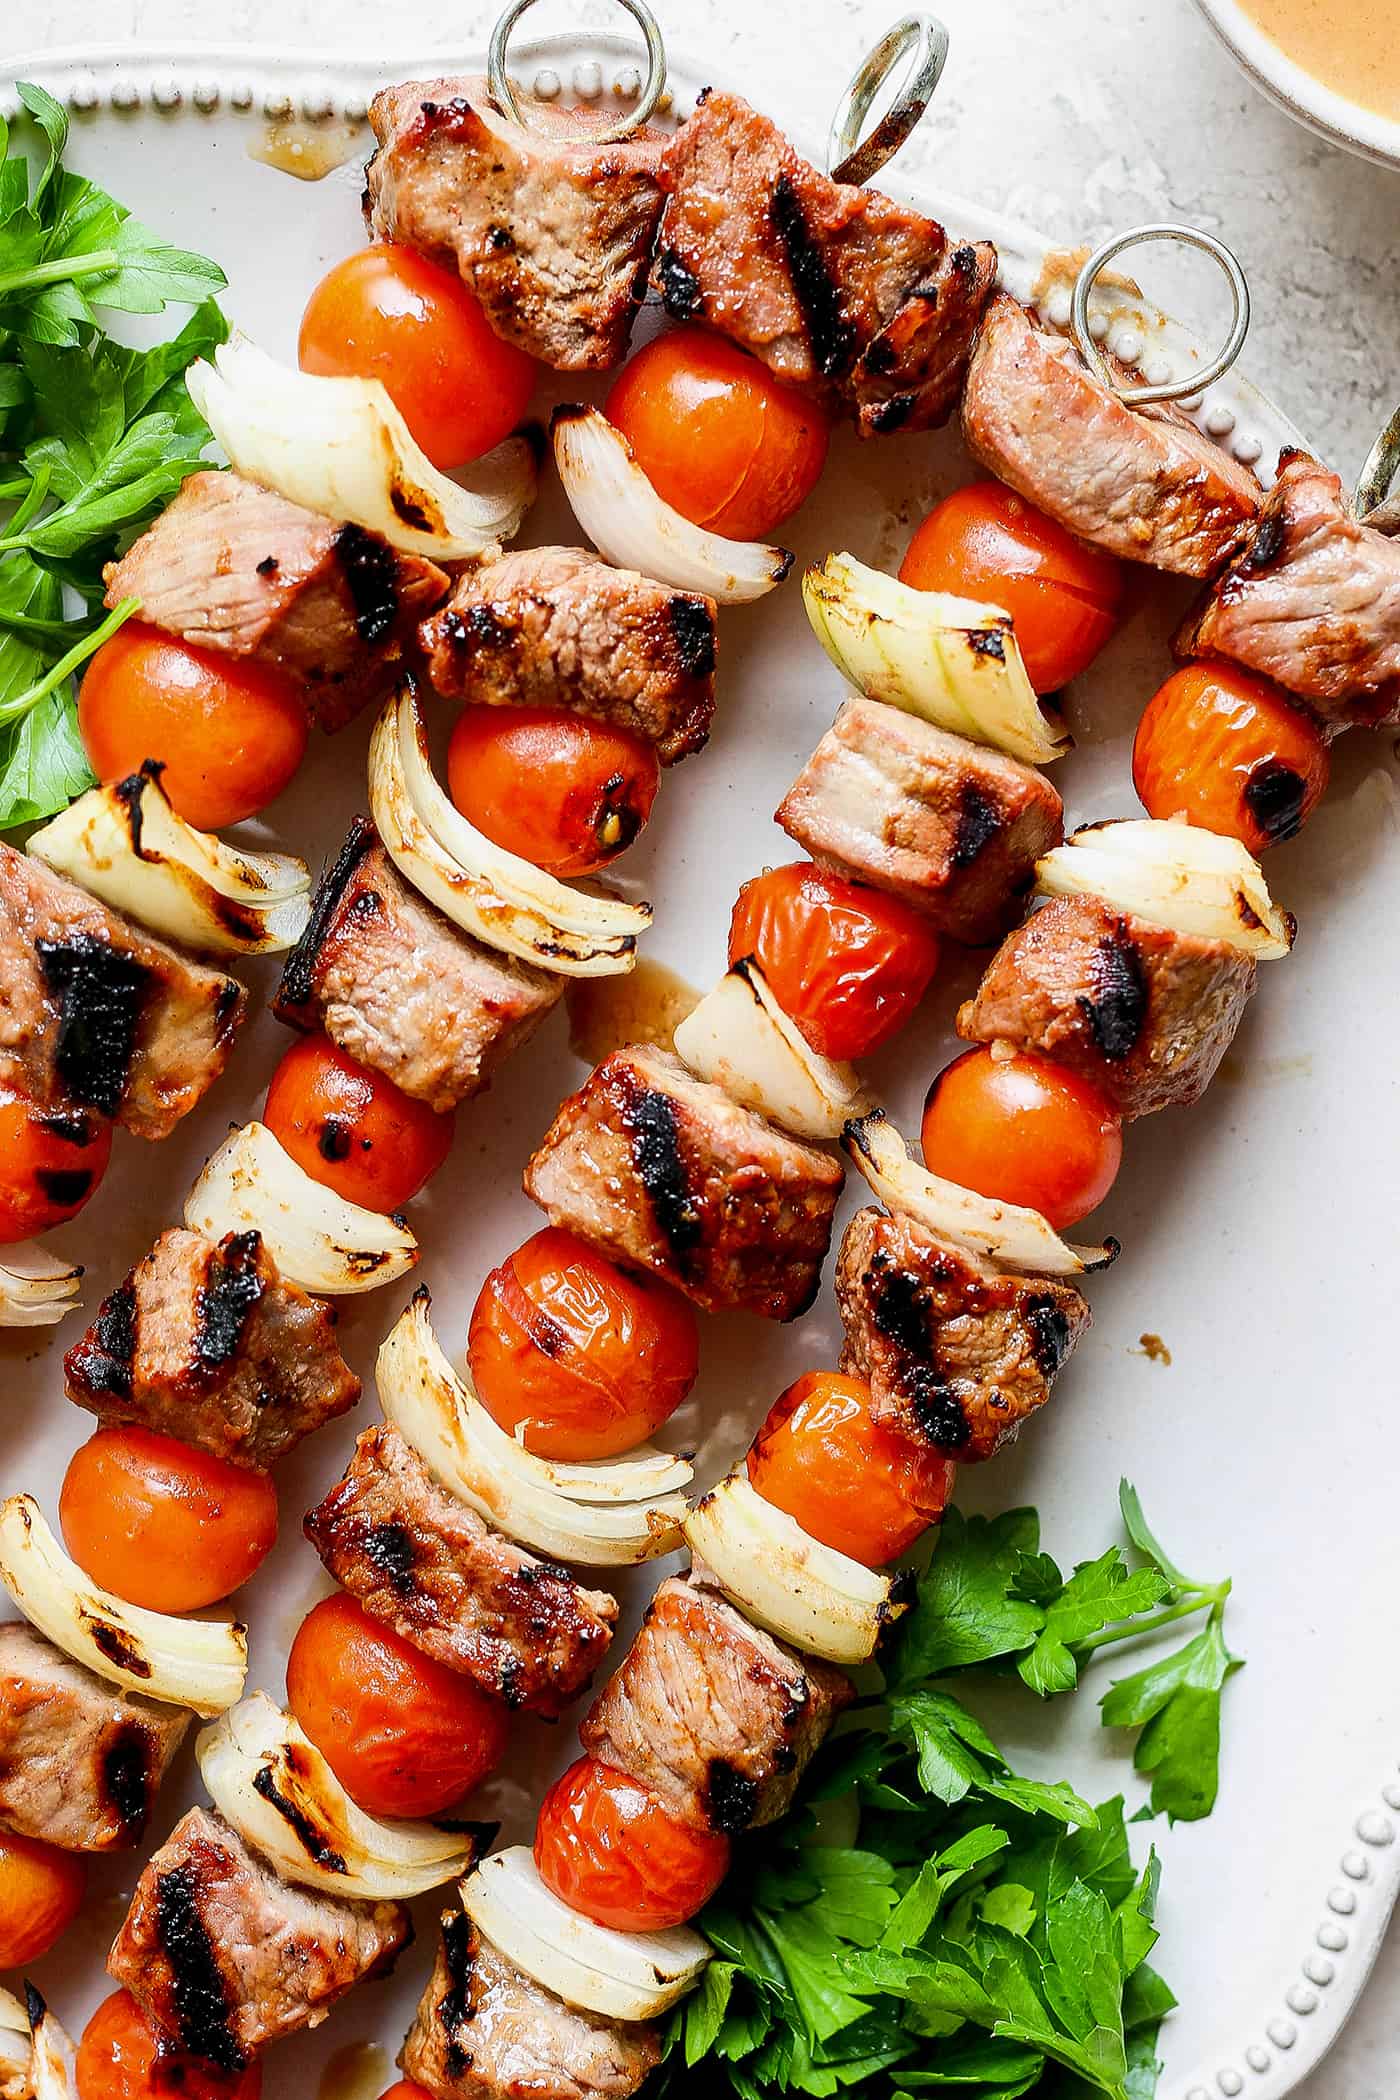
(1324,111)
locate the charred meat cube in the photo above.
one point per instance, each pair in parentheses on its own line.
(210,1344)
(843,293)
(222,1957)
(1312,600)
(95,1014)
(403,990)
(552,232)
(236,567)
(485,2031)
(556,627)
(81,1763)
(413,1555)
(665,1172)
(715,1715)
(1144,1013)
(952,827)
(955,1352)
(1144,483)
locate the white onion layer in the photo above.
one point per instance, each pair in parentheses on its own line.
(1176,875)
(740,1039)
(36,1288)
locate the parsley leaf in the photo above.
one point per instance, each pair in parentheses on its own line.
(968,1609)
(1099,1593)
(1176,1703)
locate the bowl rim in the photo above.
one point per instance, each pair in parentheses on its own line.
(1299,93)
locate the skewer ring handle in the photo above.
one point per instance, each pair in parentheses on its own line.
(853,159)
(507,101)
(1379,472)
(1199,376)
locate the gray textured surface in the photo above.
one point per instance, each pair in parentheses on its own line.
(1081,119)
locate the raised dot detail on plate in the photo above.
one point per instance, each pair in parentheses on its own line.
(1332,1937)
(1318,1969)
(1342,1901)
(355,109)
(205,95)
(125,95)
(1355,1866)
(548,86)
(83,95)
(588,81)
(241,94)
(1282,2033)
(1198,2092)
(1257,2057)
(277,105)
(1220,420)
(1058,309)
(628,84)
(1391,1795)
(1301,2000)
(1098,326)
(1230,2083)
(165,94)
(1375,1829)
(1127,344)
(1157,371)
(318,105)
(1191,402)
(1247,450)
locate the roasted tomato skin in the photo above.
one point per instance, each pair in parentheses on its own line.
(120,2057)
(404,1735)
(391,314)
(718,436)
(41,1892)
(1022,1130)
(847,963)
(352,1129)
(609,1847)
(583,1359)
(51,1162)
(987,543)
(862,1487)
(1232,753)
(559,789)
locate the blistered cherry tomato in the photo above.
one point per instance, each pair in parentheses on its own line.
(861,1486)
(719,438)
(353,1129)
(1064,598)
(121,2057)
(51,1161)
(1231,752)
(229,733)
(846,962)
(610,1847)
(559,789)
(1022,1130)
(388,313)
(162,1523)
(404,1735)
(41,1892)
(582,1358)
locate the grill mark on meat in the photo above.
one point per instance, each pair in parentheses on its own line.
(651,1124)
(731,1798)
(390,1547)
(298,977)
(100,996)
(938,1413)
(229,1002)
(1274,795)
(268,566)
(1049,1334)
(128,1782)
(107,1362)
(1266,543)
(900,1312)
(456,2007)
(479,626)
(296,1818)
(679,286)
(1117,1012)
(892,414)
(979,822)
(227,1299)
(371,571)
(65,1186)
(693,628)
(117,1646)
(831,336)
(197,1983)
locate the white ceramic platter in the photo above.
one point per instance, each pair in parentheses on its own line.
(1257,1229)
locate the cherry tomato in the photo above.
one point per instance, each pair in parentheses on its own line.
(41,1892)
(584,1359)
(987,543)
(229,733)
(1230,752)
(719,438)
(609,1846)
(387,313)
(566,792)
(858,1485)
(1022,1130)
(847,963)
(164,1524)
(352,1128)
(405,2089)
(51,1161)
(121,2057)
(404,1735)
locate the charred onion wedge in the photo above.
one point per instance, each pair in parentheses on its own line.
(1176,875)
(36,1288)
(740,1038)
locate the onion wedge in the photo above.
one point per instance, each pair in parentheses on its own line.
(53,2060)
(36,1287)
(620,1975)
(1006,1233)
(435,1410)
(633,528)
(125,844)
(492,895)
(199,1663)
(1176,875)
(340,447)
(16,2049)
(953,661)
(317,1238)
(740,1038)
(272,1783)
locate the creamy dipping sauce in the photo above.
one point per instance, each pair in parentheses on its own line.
(1351,46)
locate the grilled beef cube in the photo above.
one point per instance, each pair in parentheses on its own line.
(1145,483)
(486,2031)
(223,1957)
(955,1352)
(1311,600)
(556,627)
(953,828)
(403,990)
(81,1763)
(209,1344)
(95,1014)
(715,1715)
(843,293)
(237,568)
(552,232)
(665,1172)
(1144,1013)
(415,1556)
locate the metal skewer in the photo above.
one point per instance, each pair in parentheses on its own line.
(502,88)
(1199,377)
(1375,505)
(853,159)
